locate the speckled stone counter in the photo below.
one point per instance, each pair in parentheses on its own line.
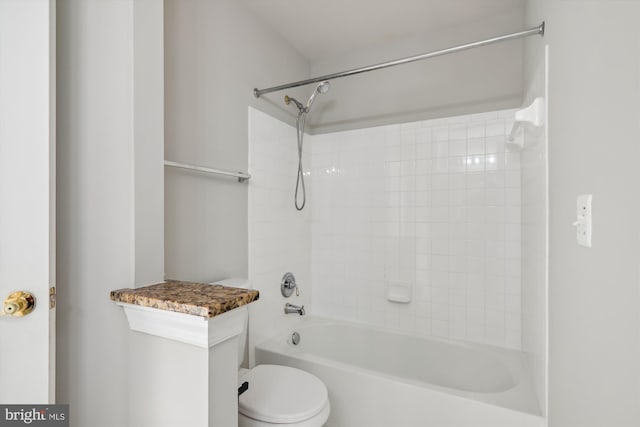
(197,299)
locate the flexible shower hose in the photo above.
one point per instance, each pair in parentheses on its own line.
(300,121)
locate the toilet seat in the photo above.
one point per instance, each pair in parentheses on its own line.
(282,395)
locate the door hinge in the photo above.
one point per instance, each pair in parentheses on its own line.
(52,297)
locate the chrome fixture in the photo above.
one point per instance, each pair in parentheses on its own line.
(295,338)
(288,284)
(294,309)
(539,30)
(300,122)
(242,177)
(321,88)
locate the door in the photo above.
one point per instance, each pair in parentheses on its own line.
(27,199)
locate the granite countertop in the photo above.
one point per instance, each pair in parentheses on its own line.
(198,299)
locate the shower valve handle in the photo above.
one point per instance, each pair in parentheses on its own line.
(288,284)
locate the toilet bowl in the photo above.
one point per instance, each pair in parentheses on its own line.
(282,396)
(278,396)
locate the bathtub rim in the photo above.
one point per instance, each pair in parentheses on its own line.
(521,397)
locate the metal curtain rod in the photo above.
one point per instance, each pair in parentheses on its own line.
(539,30)
(242,177)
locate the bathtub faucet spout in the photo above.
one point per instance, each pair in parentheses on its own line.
(294,309)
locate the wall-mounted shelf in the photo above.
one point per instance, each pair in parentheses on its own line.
(242,177)
(531,116)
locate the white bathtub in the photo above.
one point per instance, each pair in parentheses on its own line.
(380,378)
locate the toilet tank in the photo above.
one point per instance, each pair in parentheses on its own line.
(239,282)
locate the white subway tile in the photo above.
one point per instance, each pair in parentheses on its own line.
(439,279)
(495,319)
(475,130)
(475,180)
(439,149)
(424,151)
(475,300)
(457,132)
(475,332)
(457,180)
(440,328)
(458,148)
(495,162)
(475,197)
(475,163)
(440,165)
(439,214)
(495,144)
(495,127)
(495,196)
(475,147)
(435,203)
(440,247)
(495,179)
(440,310)
(457,315)
(458,215)
(457,164)
(495,302)
(440,263)
(423,136)
(440,133)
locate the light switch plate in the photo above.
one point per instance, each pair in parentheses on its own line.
(584,220)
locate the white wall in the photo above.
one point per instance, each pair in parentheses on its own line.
(279,235)
(148,114)
(594,318)
(110,198)
(433,206)
(95,207)
(217,51)
(477,80)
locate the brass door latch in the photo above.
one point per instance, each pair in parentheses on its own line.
(52,297)
(18,304)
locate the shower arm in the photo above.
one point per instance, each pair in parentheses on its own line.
(539,30)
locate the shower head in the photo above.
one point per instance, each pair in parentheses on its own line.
(323,87)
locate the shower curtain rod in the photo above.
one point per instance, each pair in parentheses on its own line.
(539,30)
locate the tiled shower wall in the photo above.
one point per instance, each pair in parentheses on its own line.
(430,209)
(279,236)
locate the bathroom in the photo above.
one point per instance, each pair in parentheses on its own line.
(422,219)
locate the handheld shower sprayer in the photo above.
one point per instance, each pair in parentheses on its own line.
(323,87)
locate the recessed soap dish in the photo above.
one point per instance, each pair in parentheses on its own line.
(399,293)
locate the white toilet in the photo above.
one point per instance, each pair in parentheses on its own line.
(282,396)
(278,396)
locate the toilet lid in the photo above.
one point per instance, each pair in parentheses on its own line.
(281,394)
